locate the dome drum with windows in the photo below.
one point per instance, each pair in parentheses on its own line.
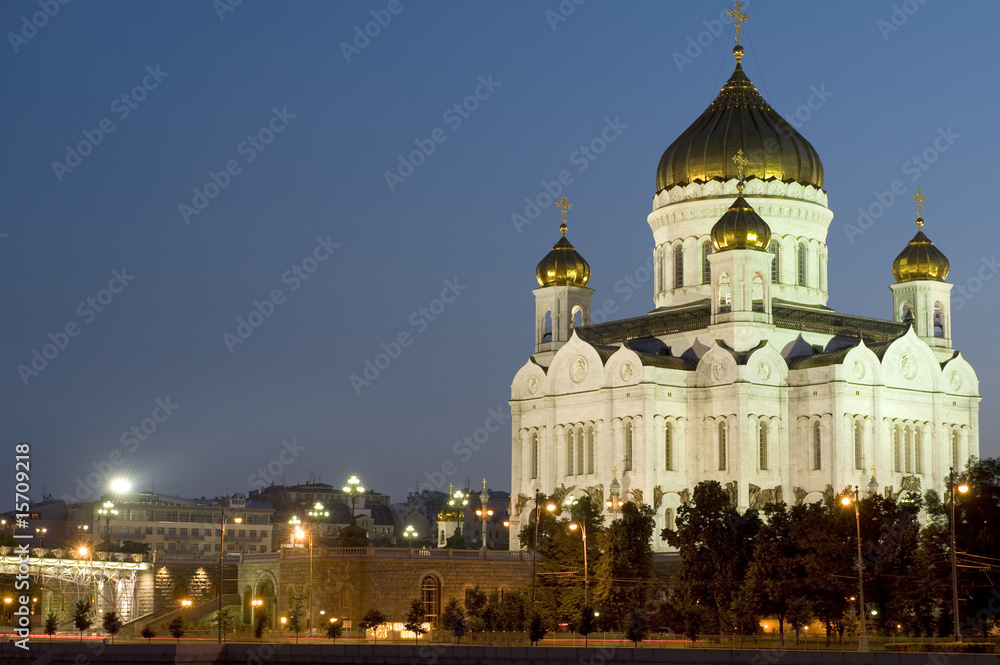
(563,266)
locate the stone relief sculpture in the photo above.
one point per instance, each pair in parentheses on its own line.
(561,493)
(762,497)
(685,496)
(657,497)
(732,492)
(596,493)
(637,496)
(800,495)
(829,494)
(910,484)
(522,501)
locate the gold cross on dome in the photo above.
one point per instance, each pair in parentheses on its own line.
(919,198)
(741,163)
(739,18)
(484,483)
(565,205)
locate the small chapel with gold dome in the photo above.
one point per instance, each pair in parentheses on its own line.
(740,373)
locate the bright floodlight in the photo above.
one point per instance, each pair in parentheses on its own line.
(963,488)
(846,500)
(120,485)
(573,526)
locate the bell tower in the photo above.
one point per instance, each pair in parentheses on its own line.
(562,301)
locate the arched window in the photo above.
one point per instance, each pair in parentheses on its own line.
(579,451)
(577,316)
(722,446)
(907,314)
(547,336)
(817,447)
(430,593)
(628,446)
(908,451)
(858,434)
(534,455)
(725,293)
(706,267)
(775,249)
(897,436)
(801,264)
(918,453)
(569,452)
(762,446)
(678,267)
(757,293)
(954,449)
(668,447)
(668,519)
(590,449)
(938,320)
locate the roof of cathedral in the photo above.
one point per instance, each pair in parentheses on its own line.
(836,357)
(739,119)
(920,259)
(697,316)
(664,360)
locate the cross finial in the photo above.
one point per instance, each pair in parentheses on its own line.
(919,198)
(451,489)
(739,18)
(565,205)
(484,483)
(741,165)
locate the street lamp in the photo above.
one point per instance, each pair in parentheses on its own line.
(534,557)
(222,559)
(963,488)
(484,513)
(409,533)
(299,533)
(569,502)
(40,532)
(353,488)
(847,500)
(254,604)
(107,512)
(614,501)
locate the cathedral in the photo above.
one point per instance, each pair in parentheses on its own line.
(741,373)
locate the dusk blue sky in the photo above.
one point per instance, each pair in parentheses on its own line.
(888,94)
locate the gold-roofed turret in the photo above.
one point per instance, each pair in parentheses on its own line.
(563,266)
(920,259)
(739,118)
(740,227)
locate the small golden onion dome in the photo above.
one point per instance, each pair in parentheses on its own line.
(563,266)
(740,228)
(920,259)
(739,118)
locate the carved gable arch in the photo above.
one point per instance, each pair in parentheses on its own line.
(910,363)
(529,382)
(766,366)
(958,377)
(624,368)
(717,366)
(576,367)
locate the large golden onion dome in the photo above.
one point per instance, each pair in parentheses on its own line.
(920,259)
(739,119)
(563,266)
(740,228)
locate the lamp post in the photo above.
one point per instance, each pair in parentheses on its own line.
(569,502)
(299,534)
(409,533)
(534,555)
(318,512)
(847,500)
(353,488)
(222,559)
(254,604)
(484,513)
(963,488)
(40,532)
(107,512)
(614,501)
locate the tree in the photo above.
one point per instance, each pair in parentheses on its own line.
(51,625)
(625,567)
(372,619)
(694,617)
(334,629)
(799,614)
(295,621)
(513,612)
(715,544)
(224,620)
(637,626)
(453,619)
(537,629)
(587,623)
(415,619)
(176,629)
(148,633)
(112,624)
(81,616)
(260,625)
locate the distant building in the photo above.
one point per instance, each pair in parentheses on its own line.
(175,524)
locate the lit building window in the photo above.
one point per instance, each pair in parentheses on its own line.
(722,446)
(678,267)
(817,447)
(775,249)
(430,592)
(762,443)
(590,449)
(858,433)
(628,446)
(706,267)
(668,447)
(801,267)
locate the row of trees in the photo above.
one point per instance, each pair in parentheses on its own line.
(799,563)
